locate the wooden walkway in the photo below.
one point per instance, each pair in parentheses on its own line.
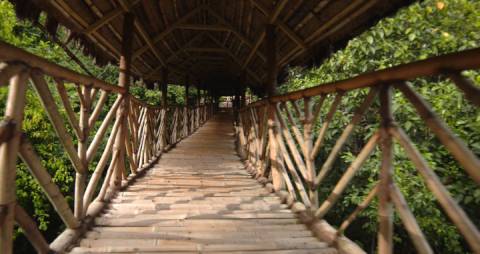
(199,199)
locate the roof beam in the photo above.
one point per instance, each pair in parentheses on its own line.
(202,27)
(107,18)
(272,19)
(232,29)
(143,33)
(214,50)
(237,61)
(168,30)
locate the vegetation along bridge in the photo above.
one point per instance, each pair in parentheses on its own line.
(169,178)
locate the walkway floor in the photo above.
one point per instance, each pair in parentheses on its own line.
(199,199)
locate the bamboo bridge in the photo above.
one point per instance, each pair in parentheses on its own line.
(201,179)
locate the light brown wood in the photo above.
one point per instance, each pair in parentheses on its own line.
(11,53)
(450,206)
(357,116)
(55,118)
(385,209)
(199,197)
(31,231)
(34,164)
(452,143)
(8,158)
(408,219)
(347,176)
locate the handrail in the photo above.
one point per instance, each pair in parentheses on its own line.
(9,53)
(282,136)
(132,132)
(453,62)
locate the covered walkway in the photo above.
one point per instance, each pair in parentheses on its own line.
(199,199)
(166,178)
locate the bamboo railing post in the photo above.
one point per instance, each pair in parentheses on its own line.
(186,111)
(307,150)
(164,86)
(385,208)
(30,229)
(271,42)
(123,111)
(58,201)
(81,177)
(8,158)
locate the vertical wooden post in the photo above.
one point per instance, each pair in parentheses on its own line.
(81,178)
(385,209)
(8,153)
(185,115)
(164,87)
(307,150)
(123,81)
(271,88)
(164,102)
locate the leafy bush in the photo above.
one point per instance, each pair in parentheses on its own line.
(422,30)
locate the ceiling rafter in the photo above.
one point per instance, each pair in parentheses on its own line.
(202,27)
(170,58)
(242,37)
(143,33)
(168,30)
(237,61)
(95,36)
(107,18)
(272,19)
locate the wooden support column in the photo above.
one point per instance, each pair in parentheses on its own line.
(123,81)
(385,208)
(164,87)
(271,88)
(185,115)
(8,153)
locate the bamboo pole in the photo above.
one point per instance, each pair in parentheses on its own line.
(97,173)
(450,206)
(71,117)
(326,123)
(347,176)
(98,108)
(12,53)
(7,128)
(357,116)
(458,61)
(414,231)
(291,145)
(455,145)
(31,231)
(123,81)
(81,178)
(97,140)
(52,111)
(471,92)
(385,211)
(368,199)
(8,70)
(34,164)
(306,150)
(297,134)
(14,111)
(291,167)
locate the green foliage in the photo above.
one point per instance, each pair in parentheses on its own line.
(422,30)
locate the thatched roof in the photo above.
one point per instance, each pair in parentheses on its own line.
(213,41)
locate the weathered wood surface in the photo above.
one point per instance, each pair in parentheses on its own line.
(199,199)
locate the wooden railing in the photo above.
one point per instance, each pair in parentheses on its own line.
(137,135)
(280,143)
